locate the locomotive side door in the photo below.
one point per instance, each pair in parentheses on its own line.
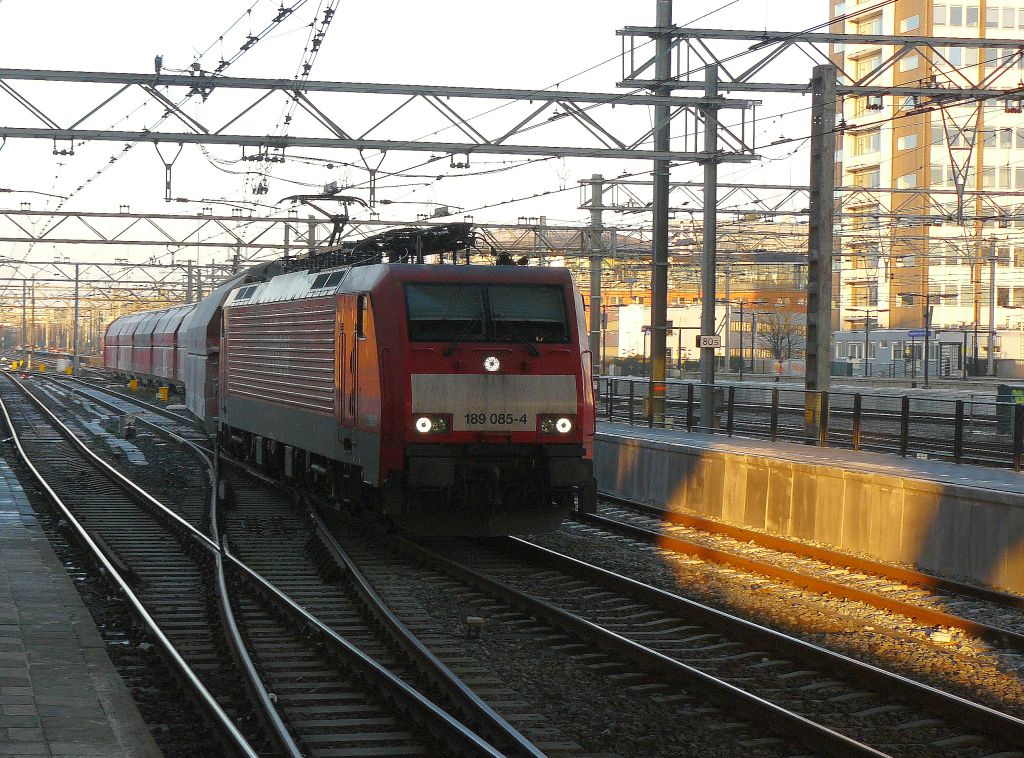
(348,356)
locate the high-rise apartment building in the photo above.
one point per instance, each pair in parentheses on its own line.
(939,207)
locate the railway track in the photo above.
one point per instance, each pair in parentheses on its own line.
(145,554)
(658,644)
(826,701)
(266,631)
(980,612)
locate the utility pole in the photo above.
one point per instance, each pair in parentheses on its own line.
(992,309)
(235,262)
(596,259)
(311,234)
(287,241)
(24,314)
(709,248)
(867,334)
(188,283)
(727,342)
(74,338)
(32,343)
(820,236)
(927,334)
(659,257)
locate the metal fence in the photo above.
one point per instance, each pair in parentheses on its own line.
(987,433)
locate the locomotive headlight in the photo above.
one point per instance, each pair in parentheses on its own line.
(491,363)
(557,424)
(440,423)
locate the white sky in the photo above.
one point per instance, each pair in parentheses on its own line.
(526,44)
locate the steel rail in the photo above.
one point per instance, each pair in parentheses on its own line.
(486,719)
(783,544)
(443,725)
(254,684)
(778,719)
(358,660)
(185,420)
(973,715)
(208,705)
(922,614)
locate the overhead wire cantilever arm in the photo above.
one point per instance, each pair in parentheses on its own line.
(167,169)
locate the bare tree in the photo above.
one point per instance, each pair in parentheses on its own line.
(781,334)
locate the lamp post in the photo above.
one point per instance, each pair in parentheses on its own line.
(742,304)
(868,311)
(928,297)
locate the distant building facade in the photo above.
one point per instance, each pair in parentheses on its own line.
(902,244)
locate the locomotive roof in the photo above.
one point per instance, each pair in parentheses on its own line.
(299,285)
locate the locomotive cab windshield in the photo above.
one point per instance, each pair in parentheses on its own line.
(459,313)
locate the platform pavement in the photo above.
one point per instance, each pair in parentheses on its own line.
(942,472)
(59,692)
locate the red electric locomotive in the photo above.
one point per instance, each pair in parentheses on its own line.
(454,399)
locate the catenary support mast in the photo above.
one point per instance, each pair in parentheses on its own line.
(659,258)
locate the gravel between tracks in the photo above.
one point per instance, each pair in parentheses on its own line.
(969,669)
(573,687)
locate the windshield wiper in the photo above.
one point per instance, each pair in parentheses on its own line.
(516,333)
(462,335)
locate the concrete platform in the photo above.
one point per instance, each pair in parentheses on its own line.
(956,519)
(59,692)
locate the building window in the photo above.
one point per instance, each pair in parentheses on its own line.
(910,24)
(992,17)
(988,177)
(956,15)
(840,9)
(864,66)
(1003,256)
(989,137)
(992,57)
(842,350)
(869,178)
(867,142)
(863,105)
(856,350)
(907,181)
(1004,177)
(1002,296)
(909,62)
(906,300)
(870,25)
(1009,18)
(939,14)
(1006,138)
(906,142)
(972,16)
(1019,177)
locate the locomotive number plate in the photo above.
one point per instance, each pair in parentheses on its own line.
(484,421)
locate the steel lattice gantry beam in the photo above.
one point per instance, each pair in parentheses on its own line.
(330,123)
(769,200)
(742,55)
(250,235)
